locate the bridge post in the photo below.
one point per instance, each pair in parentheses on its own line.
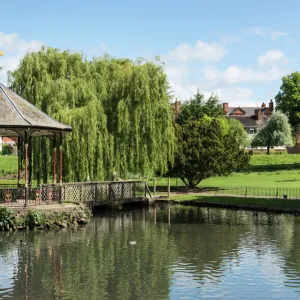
(122,191)
(26,167)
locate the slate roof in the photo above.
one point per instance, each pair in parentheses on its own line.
(250,121)
(17,115)
(248,110)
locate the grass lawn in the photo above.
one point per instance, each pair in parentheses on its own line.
(275,159)
(283,178)
(8,164)
(273,203)
(274,170)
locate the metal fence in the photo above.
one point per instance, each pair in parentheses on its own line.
(101,191)
(254,191)
(47,194)
(19,196)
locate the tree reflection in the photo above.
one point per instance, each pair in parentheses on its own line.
(98,262)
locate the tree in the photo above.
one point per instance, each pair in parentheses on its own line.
(240,133)
(277,132)
(288,99)
(119,111)
(207,147)
(197,107)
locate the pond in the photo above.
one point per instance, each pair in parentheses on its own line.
(162,252)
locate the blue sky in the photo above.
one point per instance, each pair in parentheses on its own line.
(238,49)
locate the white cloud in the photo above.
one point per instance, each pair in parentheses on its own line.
(14,48)
(202,51)
(236,96)
(226,83)
(176,73)
(271,58)
(234,74)
(183,91)
(264,32)
(277,34)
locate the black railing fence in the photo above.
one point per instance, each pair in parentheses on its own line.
(255,191)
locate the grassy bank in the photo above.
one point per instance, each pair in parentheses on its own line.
(39,218)
(286,178)
(8,164)
(275,162)
(253,202)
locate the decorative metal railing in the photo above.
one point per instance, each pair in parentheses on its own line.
(103,191)
(81,192)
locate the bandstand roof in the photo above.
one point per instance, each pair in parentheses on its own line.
(18,115)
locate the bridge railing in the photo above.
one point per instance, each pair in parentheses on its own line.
(77,192)
(103,191)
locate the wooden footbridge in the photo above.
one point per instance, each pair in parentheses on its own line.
(91,193)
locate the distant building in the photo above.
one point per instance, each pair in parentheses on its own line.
(176,107)
(253,119)
(6,140)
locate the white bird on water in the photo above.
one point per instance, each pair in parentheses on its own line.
(132,242)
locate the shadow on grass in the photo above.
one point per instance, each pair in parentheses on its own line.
(267,168)
(292,180)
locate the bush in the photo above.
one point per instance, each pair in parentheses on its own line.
(34,218)
(5,215)
(7,149)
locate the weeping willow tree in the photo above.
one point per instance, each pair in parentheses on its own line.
(119,111)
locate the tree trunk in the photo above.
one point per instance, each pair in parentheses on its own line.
(268,149)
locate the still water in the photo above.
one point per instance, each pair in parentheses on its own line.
(179,253)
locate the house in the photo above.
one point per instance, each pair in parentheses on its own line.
(253,119)
(6,140)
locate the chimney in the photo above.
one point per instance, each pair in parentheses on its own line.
(271,106)
(225,108)
(177,106)
(257,114)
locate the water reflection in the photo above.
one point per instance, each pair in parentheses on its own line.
(180,252)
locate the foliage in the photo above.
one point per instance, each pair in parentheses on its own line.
(238,130)
(119,111)
(197,107)
(206,148)
(5,214)
(277,132)
(7,148)
(34,218)
(288,99)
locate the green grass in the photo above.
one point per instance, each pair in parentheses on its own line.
(275,162)
(275,159)
(283,178)
(257,202)
(8,164)
(274,170)
(288,178)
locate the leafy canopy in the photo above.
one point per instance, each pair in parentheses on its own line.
(119,111)
(277,132)
(207,147)
(197,107)
(288,99)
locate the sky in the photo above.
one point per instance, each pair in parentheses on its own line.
(238,50)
